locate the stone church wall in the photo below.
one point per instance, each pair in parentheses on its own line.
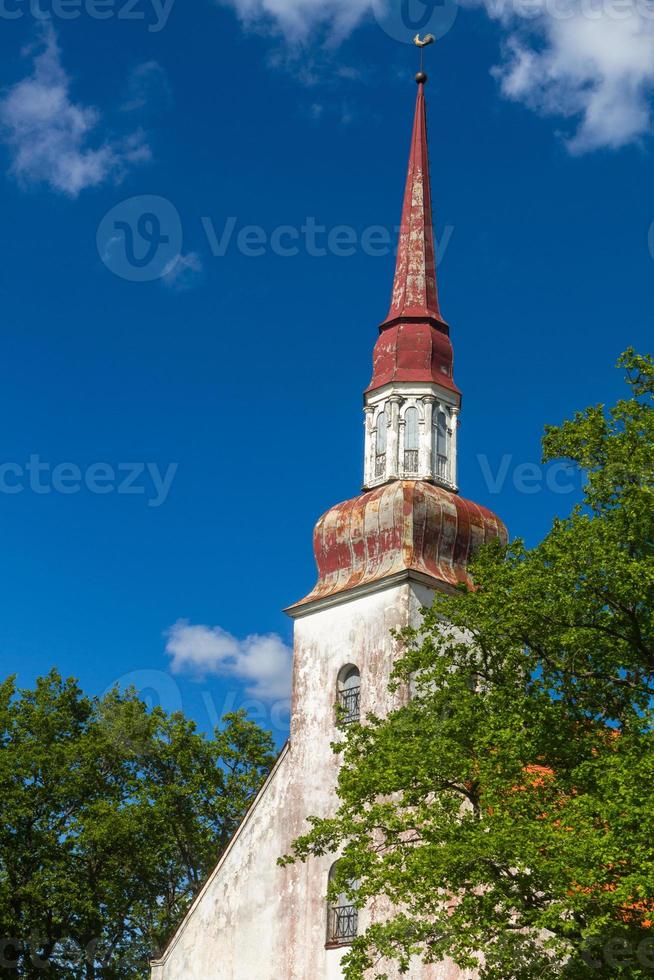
(254,920)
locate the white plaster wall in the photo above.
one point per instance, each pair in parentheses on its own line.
(254,920)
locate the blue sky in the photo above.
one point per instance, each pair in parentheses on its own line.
(226,390)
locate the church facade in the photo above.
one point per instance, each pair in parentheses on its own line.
(381,557)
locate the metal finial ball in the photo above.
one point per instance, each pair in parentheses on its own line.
(422,78)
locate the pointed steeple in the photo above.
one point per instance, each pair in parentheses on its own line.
(410,521)
(414,345)
(415,293)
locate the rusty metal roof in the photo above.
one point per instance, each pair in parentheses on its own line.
(406,525)
(415,293)
(414,344)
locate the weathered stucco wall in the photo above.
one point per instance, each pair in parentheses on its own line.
(254,920)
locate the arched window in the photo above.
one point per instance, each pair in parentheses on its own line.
(441,446)
(380,458)
(349,694)
(411,440)
(342,915)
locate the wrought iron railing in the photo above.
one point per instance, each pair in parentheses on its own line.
(349,700)
(380,464)
(410,460)
(343,924)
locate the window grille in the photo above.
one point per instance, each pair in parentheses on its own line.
(349,694)
(411,440)
(349,700)
(410,460)
(343,922)
(380,464)
(342,914)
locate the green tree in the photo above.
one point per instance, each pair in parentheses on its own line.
(508,809)
(111,817)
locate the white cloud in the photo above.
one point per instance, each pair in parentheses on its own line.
(590,62)
(183,271)
(297,19)
(263,662)
(147,87)
(48,134)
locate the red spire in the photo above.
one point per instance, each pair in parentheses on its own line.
(414,290)
(414,344)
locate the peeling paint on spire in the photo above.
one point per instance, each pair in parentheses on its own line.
(414,290)
(414,345)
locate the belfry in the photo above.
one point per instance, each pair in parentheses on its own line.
(381,557)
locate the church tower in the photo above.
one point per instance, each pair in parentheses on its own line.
(381,558)
(412,405)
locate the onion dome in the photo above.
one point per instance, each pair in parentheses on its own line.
(403,529)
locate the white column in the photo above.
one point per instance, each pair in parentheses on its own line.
(426,458)
(369,447)
(438,474)
(454,462)
(393,447)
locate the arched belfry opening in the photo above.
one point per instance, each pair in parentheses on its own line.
(349,695)
(342,914)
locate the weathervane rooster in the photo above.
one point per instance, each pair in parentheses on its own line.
(422,43)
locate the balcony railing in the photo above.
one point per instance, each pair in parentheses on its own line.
(349,701)
(441,467)
(343,924)
(380,465)
(410,460)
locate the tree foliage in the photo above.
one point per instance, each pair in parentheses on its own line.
(111,816)
(508,809)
